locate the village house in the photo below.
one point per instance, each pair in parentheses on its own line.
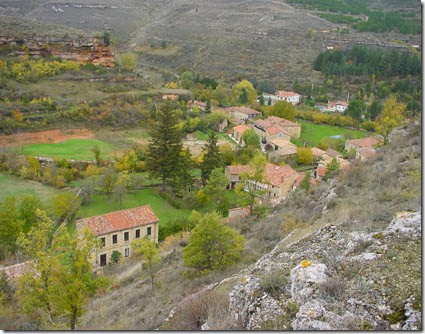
(237,133)
(290,97)
(292,128)
(275,127)
(278,180)
(364,153)
(243,113)
(337,106)
(282,95)
(117,230)
(319,154)
(282,150)
(368,142)
(332,153)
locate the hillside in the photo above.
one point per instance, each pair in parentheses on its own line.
(264,39)
(335,259)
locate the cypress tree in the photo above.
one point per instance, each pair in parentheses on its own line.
(212,157)
(165,146)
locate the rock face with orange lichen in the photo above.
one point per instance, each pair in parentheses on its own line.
(80,49)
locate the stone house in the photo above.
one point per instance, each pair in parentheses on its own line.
(278,180)
(292,128)
(364,153)
(237,133)
(243,113)
(337,106)
(268,130)
(282,95)
(117,230)
(282,150)
(319,154)
(290,97)
(368,142)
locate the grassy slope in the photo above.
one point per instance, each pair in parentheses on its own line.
(165,211)
(69,149)
(312,133)
(14,186)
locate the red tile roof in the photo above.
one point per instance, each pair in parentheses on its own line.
(333,153)
(279,175)
(119,220)
(366,152)
(274,174)
(241,128)
(335,103)
(364,142)
(317,152)
(299,179)
(281,142)
(275,129)
(281,121)
(244,110)
(283,93)
(286,150)
(238,169)
(262,123)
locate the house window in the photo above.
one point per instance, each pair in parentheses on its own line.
(115,238)
(126,252)
(149,231)
(126,236)
(103,242)
(137,234)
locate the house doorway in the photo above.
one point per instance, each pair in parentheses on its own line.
(103,260)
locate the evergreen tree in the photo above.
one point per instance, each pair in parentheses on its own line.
(261,100)
(165,146)
(208,106)
(182,179)
(243,97)
(211,158)
(216,191)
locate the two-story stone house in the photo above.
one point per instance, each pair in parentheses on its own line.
(117,230)
(242,113)
(278,180)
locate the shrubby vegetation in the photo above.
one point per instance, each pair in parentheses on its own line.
(378,21)
(365,61)
(29,69)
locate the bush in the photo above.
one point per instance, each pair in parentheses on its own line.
(274,284)
(115,256)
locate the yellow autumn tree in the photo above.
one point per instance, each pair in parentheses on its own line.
(391,117)
(247,87)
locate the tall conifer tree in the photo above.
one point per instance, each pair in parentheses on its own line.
(165,146)
(212,157)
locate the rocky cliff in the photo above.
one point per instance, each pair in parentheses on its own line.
(332,279)
(82,49)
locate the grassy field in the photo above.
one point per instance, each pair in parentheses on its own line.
(312,133)
(14,186)
(165,211)
(79,149)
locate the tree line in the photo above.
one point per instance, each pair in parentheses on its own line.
(367,61)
